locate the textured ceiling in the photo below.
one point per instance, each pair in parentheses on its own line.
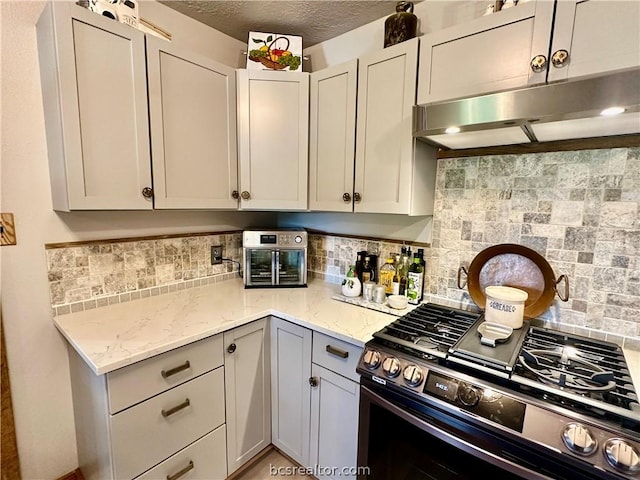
(314,20)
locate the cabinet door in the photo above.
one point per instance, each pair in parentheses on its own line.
(273,131)
(489,54)
(600,36)
(95,98)
(384,145)
(192,108)
(332,135)
(290,389)
(334,424)
(247,388)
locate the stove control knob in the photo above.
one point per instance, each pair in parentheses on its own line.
(371,359)
(412,375)
(579,439)
(468,395)
(622,456)
(391,367)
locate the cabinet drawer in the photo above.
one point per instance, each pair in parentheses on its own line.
(146,434)
(135,383)
(336,355)
(205,459)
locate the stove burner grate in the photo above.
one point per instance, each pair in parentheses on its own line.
(566,369)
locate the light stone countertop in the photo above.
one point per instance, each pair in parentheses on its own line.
(112,337)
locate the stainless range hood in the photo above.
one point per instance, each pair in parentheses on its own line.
(558,111)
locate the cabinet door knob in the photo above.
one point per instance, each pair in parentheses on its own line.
(235,195)
(313,381)
(147,192)
(245,195)
(231,348)
(538,63)
(560,58)
(346,197)
(357,197)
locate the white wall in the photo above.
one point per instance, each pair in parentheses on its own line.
(36,352)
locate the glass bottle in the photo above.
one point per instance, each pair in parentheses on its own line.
(414,281)
(420,255)
(367,270)
(402,271)
(395,285)
(387,272)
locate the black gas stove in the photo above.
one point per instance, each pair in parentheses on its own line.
(567,395)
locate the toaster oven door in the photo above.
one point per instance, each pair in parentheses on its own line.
(292,267)
(259,267)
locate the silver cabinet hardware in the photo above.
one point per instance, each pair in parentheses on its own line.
(245,195)
(182,472)
(147,192)
(176,409)
(313,381)
(235,195)
(337,352)
(172,371)
(231,348)
(357,197)
(346,197)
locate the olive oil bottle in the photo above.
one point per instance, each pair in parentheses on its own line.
(415,277)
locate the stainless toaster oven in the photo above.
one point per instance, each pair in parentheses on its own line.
(274,258)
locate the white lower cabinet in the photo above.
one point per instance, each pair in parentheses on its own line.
(315,399)
(204,459)
(334,424)
(247,388)
(167,410)
(290,389)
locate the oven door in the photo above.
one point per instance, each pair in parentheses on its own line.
(259,267)
(401,438)
(292,267)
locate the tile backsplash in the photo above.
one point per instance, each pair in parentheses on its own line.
(580,210)
(83,276)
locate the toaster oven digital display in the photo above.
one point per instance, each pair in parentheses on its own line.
(268,239)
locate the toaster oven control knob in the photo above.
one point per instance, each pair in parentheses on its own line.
(579,439)
(622,456)
(412,375)
(391,367)
(371,359)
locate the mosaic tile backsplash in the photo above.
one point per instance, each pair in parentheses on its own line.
(580,210)
(98,274)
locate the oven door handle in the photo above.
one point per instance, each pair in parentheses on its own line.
(450,438)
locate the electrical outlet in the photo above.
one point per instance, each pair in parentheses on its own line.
(216,254)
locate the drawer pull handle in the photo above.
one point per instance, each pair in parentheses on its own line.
(174,370)
(337,352)
(177,475)
(177,408)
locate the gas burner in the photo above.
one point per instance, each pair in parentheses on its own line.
(566,369)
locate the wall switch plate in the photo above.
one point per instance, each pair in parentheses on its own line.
(216,254)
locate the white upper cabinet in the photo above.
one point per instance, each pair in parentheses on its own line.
(95,103)
(489,54)
(332,136)
(598,36)
(273,132)
(192,110)
(394,173)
